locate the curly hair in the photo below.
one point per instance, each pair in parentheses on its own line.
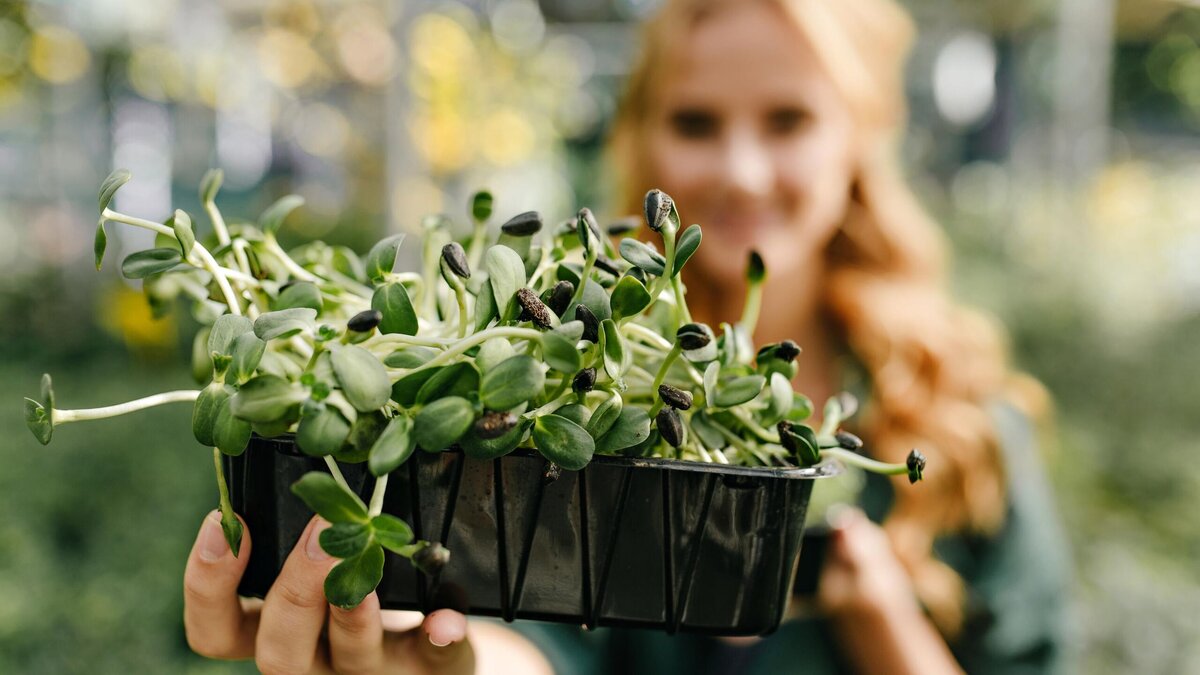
(934,366)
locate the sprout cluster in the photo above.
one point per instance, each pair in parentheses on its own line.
(551,338)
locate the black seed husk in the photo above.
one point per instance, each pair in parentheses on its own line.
(848,440)
(670,426)
(538,312)
(523,224)
(623,226)
(692,336)
(787,350)
(560,297)
(584,380)
(608,266)
(365,321)
(591,326)
(456,259)
(551,474)
(675,397)
(494,424)
(916,465)
(657,206)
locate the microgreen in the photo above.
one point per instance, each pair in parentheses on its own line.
(545,338)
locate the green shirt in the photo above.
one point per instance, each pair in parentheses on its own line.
(1017,583)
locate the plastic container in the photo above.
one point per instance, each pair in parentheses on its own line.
(647,543)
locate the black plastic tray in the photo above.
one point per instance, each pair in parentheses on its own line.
(648,543)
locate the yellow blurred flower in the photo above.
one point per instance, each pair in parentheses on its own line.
(58,55)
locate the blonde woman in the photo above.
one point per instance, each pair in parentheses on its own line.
(773,124)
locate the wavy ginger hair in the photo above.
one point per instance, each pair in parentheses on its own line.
(933,365)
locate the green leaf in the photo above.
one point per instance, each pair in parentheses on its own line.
(491,448)
(322,494)
(392,301)
(345,261)
(563,442)
(147,263)
(632,427)
(284,323)
(247,353)
(802,409)
(781,399)
(345,540)
(616,358)
(492,353)
(226,330)
(352,579)
(322,432)
(394,447)
(110,186)
(363,378)
(706,430)
(381,259)
(443,422)
(711,375)
(39,421)
(579,414)
(230,434)
(299,294)
(47,391)
(605,416)
(485,306)
(640,254)
(411,357)
(210,184)
(206,409)
(629,298)
(481,206)
(594,298)
(364,433)
(685,246)
(738,390)
(571,330)
(560,353)
(272,219)
(404,390)
(181,223)
(232,528)
(99,244)
(506,272)
(391,532)
(513,382)
(831,416)
(266,398)
(457,379)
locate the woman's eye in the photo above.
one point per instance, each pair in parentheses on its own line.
(787,120)
(694,123)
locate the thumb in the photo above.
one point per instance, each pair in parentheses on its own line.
(440,644)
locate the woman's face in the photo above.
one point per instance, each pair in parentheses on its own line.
(753,142)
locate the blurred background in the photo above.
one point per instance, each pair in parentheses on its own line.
(1057,140)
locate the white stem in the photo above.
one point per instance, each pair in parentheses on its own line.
(286,260)
(377,496)
(62,416)
(461,346)
(109,214)
(218,222)
(337,473)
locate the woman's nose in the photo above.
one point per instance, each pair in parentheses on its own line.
(748,168)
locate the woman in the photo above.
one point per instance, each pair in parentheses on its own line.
(773,123)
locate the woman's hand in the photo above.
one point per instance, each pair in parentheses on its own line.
(862,575)
(295,630)
(868,596)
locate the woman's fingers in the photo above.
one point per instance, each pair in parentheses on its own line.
(356,638)
(295,607)
(213,618)
(438,645)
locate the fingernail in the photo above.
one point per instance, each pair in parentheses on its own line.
(313,546)
(435,643)
(212,540)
